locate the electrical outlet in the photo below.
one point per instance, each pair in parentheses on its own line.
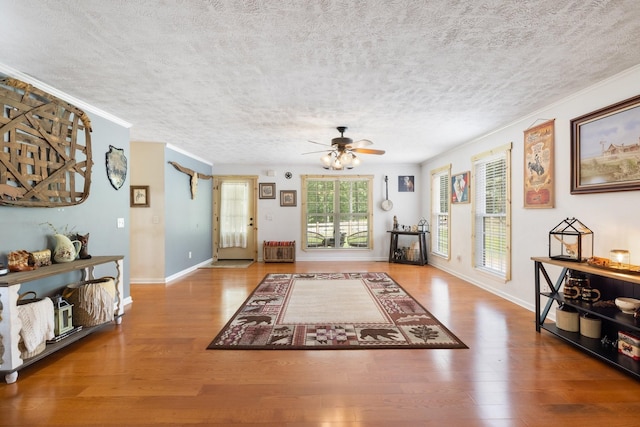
(189,254)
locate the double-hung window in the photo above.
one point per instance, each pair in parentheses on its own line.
(337,212)
(492,212)
(440,204)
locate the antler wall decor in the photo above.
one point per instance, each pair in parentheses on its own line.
(194,177)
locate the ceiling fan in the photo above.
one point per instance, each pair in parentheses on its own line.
(342,152)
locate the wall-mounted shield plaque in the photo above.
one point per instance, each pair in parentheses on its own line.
(116,166)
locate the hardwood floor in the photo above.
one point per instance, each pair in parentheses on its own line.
(153,369)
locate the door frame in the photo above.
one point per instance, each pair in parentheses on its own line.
(253,243)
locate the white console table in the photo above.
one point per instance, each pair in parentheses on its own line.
(10,325)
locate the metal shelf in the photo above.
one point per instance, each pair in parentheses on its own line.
(611,317)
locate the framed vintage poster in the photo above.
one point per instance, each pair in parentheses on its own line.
(288,198)
(267,190)
(460,184)
(605,145)
(139,197)
(539,180)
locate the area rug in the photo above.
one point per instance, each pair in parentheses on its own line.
(332,311)
(229,263)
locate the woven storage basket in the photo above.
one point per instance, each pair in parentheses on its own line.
(28,298)
(93,301)
(26,354)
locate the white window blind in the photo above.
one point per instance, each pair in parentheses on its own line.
(492,214)
(440,211)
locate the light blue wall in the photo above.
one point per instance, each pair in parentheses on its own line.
(188,221)
(20,228)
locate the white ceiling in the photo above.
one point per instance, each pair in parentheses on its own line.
(252,81)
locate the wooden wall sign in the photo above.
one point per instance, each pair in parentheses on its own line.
(45,148)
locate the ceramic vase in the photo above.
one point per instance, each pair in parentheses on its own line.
(65,250)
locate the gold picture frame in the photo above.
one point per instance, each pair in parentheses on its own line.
(604,147)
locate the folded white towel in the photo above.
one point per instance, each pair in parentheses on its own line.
(37,323)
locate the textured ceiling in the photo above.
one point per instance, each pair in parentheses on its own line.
(252,81)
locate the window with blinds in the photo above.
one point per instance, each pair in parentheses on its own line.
(492,212)
(337,212)
(440,179)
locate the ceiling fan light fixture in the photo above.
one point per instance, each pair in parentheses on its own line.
(337,164)
(346,158)
(326,160)
(342,153)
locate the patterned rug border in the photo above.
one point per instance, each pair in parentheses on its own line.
(387,342)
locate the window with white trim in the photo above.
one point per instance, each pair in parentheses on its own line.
(440,203)
(492,211)
(337,212)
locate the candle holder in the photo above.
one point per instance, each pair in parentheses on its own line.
(619,259)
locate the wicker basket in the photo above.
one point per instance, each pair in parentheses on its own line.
(23,299)
(279,251)
(46,143)
(26,354)
(93,301)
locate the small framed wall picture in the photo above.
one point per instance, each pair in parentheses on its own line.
(267,190)
(406,183)
(460,184)
(139,196)
(288,198)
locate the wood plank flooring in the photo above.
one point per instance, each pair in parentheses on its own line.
(153,369)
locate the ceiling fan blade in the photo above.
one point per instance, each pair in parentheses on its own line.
(361,143)
(319,143)
(315,152)
(367,151)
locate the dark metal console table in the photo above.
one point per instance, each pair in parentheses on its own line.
(399,256)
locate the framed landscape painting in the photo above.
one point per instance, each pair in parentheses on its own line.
(605,146)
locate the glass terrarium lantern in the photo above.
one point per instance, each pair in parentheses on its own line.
(571,240)
(423,225)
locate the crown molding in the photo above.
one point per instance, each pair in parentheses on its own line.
(87,108)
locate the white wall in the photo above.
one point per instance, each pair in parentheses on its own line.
(613,217)
(284,223)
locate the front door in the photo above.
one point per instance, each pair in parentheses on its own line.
(235,221)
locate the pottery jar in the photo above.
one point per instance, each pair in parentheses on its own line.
(65,250)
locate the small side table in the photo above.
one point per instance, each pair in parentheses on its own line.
(397,257)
